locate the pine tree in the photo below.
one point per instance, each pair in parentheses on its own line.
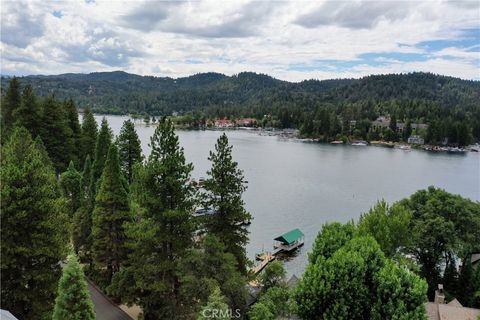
(109,216)
(82,220)
(33,233)
(216,308)
(27,115)
(102,145)
(55,133)
(75,132)
(129,149)
(70,182)
(89,134)
(224,188)
(11,103)
(73,300)
(164,230)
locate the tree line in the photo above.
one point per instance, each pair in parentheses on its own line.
(320,109)
(128,219)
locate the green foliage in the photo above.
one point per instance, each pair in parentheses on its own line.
(164,230)
(216,308)
(10,104)
(75,137)
(400,294)
(34,232)
(207,266)
(129,149)
(332,237)
(274,303)
(274,275)
(443,226)
(388,225)
(70,184)
(28,114)
(224,187)
(357,282)
(109,216)
(102,146)
(89,134)
(73,300)
(56,134)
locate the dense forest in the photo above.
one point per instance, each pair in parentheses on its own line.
(76,201)
(323,109)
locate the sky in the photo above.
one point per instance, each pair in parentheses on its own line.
(288,40)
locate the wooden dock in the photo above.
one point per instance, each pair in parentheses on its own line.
(266,258)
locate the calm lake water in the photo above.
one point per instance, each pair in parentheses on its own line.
(303,185)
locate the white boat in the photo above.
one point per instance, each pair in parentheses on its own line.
(360,144)
(404,147)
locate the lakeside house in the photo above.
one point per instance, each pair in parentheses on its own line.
(383,122)
(223,123)
(415,139)
(440,310)
(245,122)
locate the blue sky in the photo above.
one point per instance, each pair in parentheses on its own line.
(288,40)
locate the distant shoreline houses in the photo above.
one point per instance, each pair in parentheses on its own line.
(227,123)
(383,122)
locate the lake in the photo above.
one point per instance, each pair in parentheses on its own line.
(301,185)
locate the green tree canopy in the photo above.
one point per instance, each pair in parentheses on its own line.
(388,225)
(89,134)
(129,149)
(109,217)
(354,278)
(70,184)
(28,114)
(55,133)
(102,145)
(164,230)
(216,308)
(34,236)
(224,188)
(73,300)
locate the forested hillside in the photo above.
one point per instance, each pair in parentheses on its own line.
(450,105)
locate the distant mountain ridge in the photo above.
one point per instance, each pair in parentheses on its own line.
(121,92)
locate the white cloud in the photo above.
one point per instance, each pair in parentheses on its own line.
(181,38)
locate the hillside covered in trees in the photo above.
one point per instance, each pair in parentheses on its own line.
(319,108)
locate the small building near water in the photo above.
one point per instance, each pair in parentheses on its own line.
(416,140)
(290,240)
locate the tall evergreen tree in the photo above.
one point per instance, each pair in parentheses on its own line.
(82,220)
(75,132)
(109,216)
(70,182)
(73,300)
(102,145)
(28,113)
(55,133)
(129,149)
(89,134)
(11,102)
(224,188)
(164,230)
(33,233)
